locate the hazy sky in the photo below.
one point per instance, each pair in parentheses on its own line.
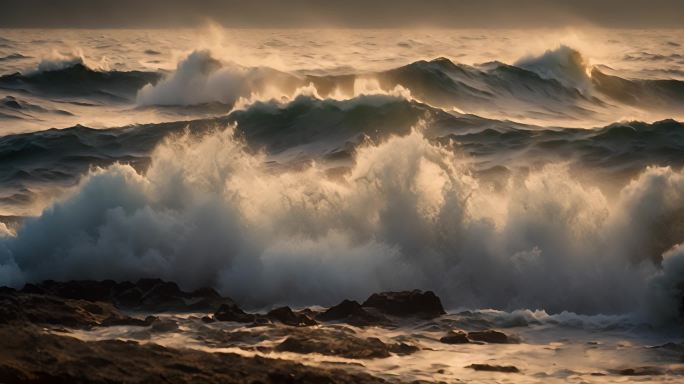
(346,13)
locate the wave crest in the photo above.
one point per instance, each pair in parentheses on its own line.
(564,64)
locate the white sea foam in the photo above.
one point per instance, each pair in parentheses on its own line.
(408,214)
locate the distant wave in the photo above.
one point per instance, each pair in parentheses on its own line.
(558,83)
(641,93)
(72,78)
(16,108)
(201,79)
(13,57)
(557,86)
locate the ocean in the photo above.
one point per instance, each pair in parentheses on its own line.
(526,174)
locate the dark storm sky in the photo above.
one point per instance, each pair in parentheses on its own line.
(342,13)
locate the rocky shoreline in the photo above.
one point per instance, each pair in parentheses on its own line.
(36,322)
(152,331)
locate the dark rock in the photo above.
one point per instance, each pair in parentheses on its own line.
(287,317)
(7,291)
(335,344)
(206,293)
(231,312)
(144,295)
(403,349)
(455,338)
(39,309)
(147,284)
(164,326)
(494,368)
(129,321)
(638,371)
(64,359)
(492,337)
(351,312)
(208,320)
(407,303)
(160,296)
(32,288)
(129,298)
(81,289)
(260,320)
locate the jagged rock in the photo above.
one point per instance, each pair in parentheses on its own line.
(153,295)
(22,308)
(494,368)
(407,303)
(492,337)
(231,312)
(80,289)
(161,296)
(351,312)
(287,317)
(455,338)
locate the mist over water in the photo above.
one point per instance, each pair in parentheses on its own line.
(295,178)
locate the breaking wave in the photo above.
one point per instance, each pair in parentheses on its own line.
(559,85)
(328,131)
(407,212)
(201,79)
(564,64)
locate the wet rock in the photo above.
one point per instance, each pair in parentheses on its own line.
(336,344)
(407,303)
(494,368)
(23,308)
(403,349)
(492,337)
(32,288)
(637,371)
(287,317)
(164,326)
(145,295)
(128,321)
(231,312)
(334,341)
(455,338)
(79,289)
(69,360)
(351,312)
